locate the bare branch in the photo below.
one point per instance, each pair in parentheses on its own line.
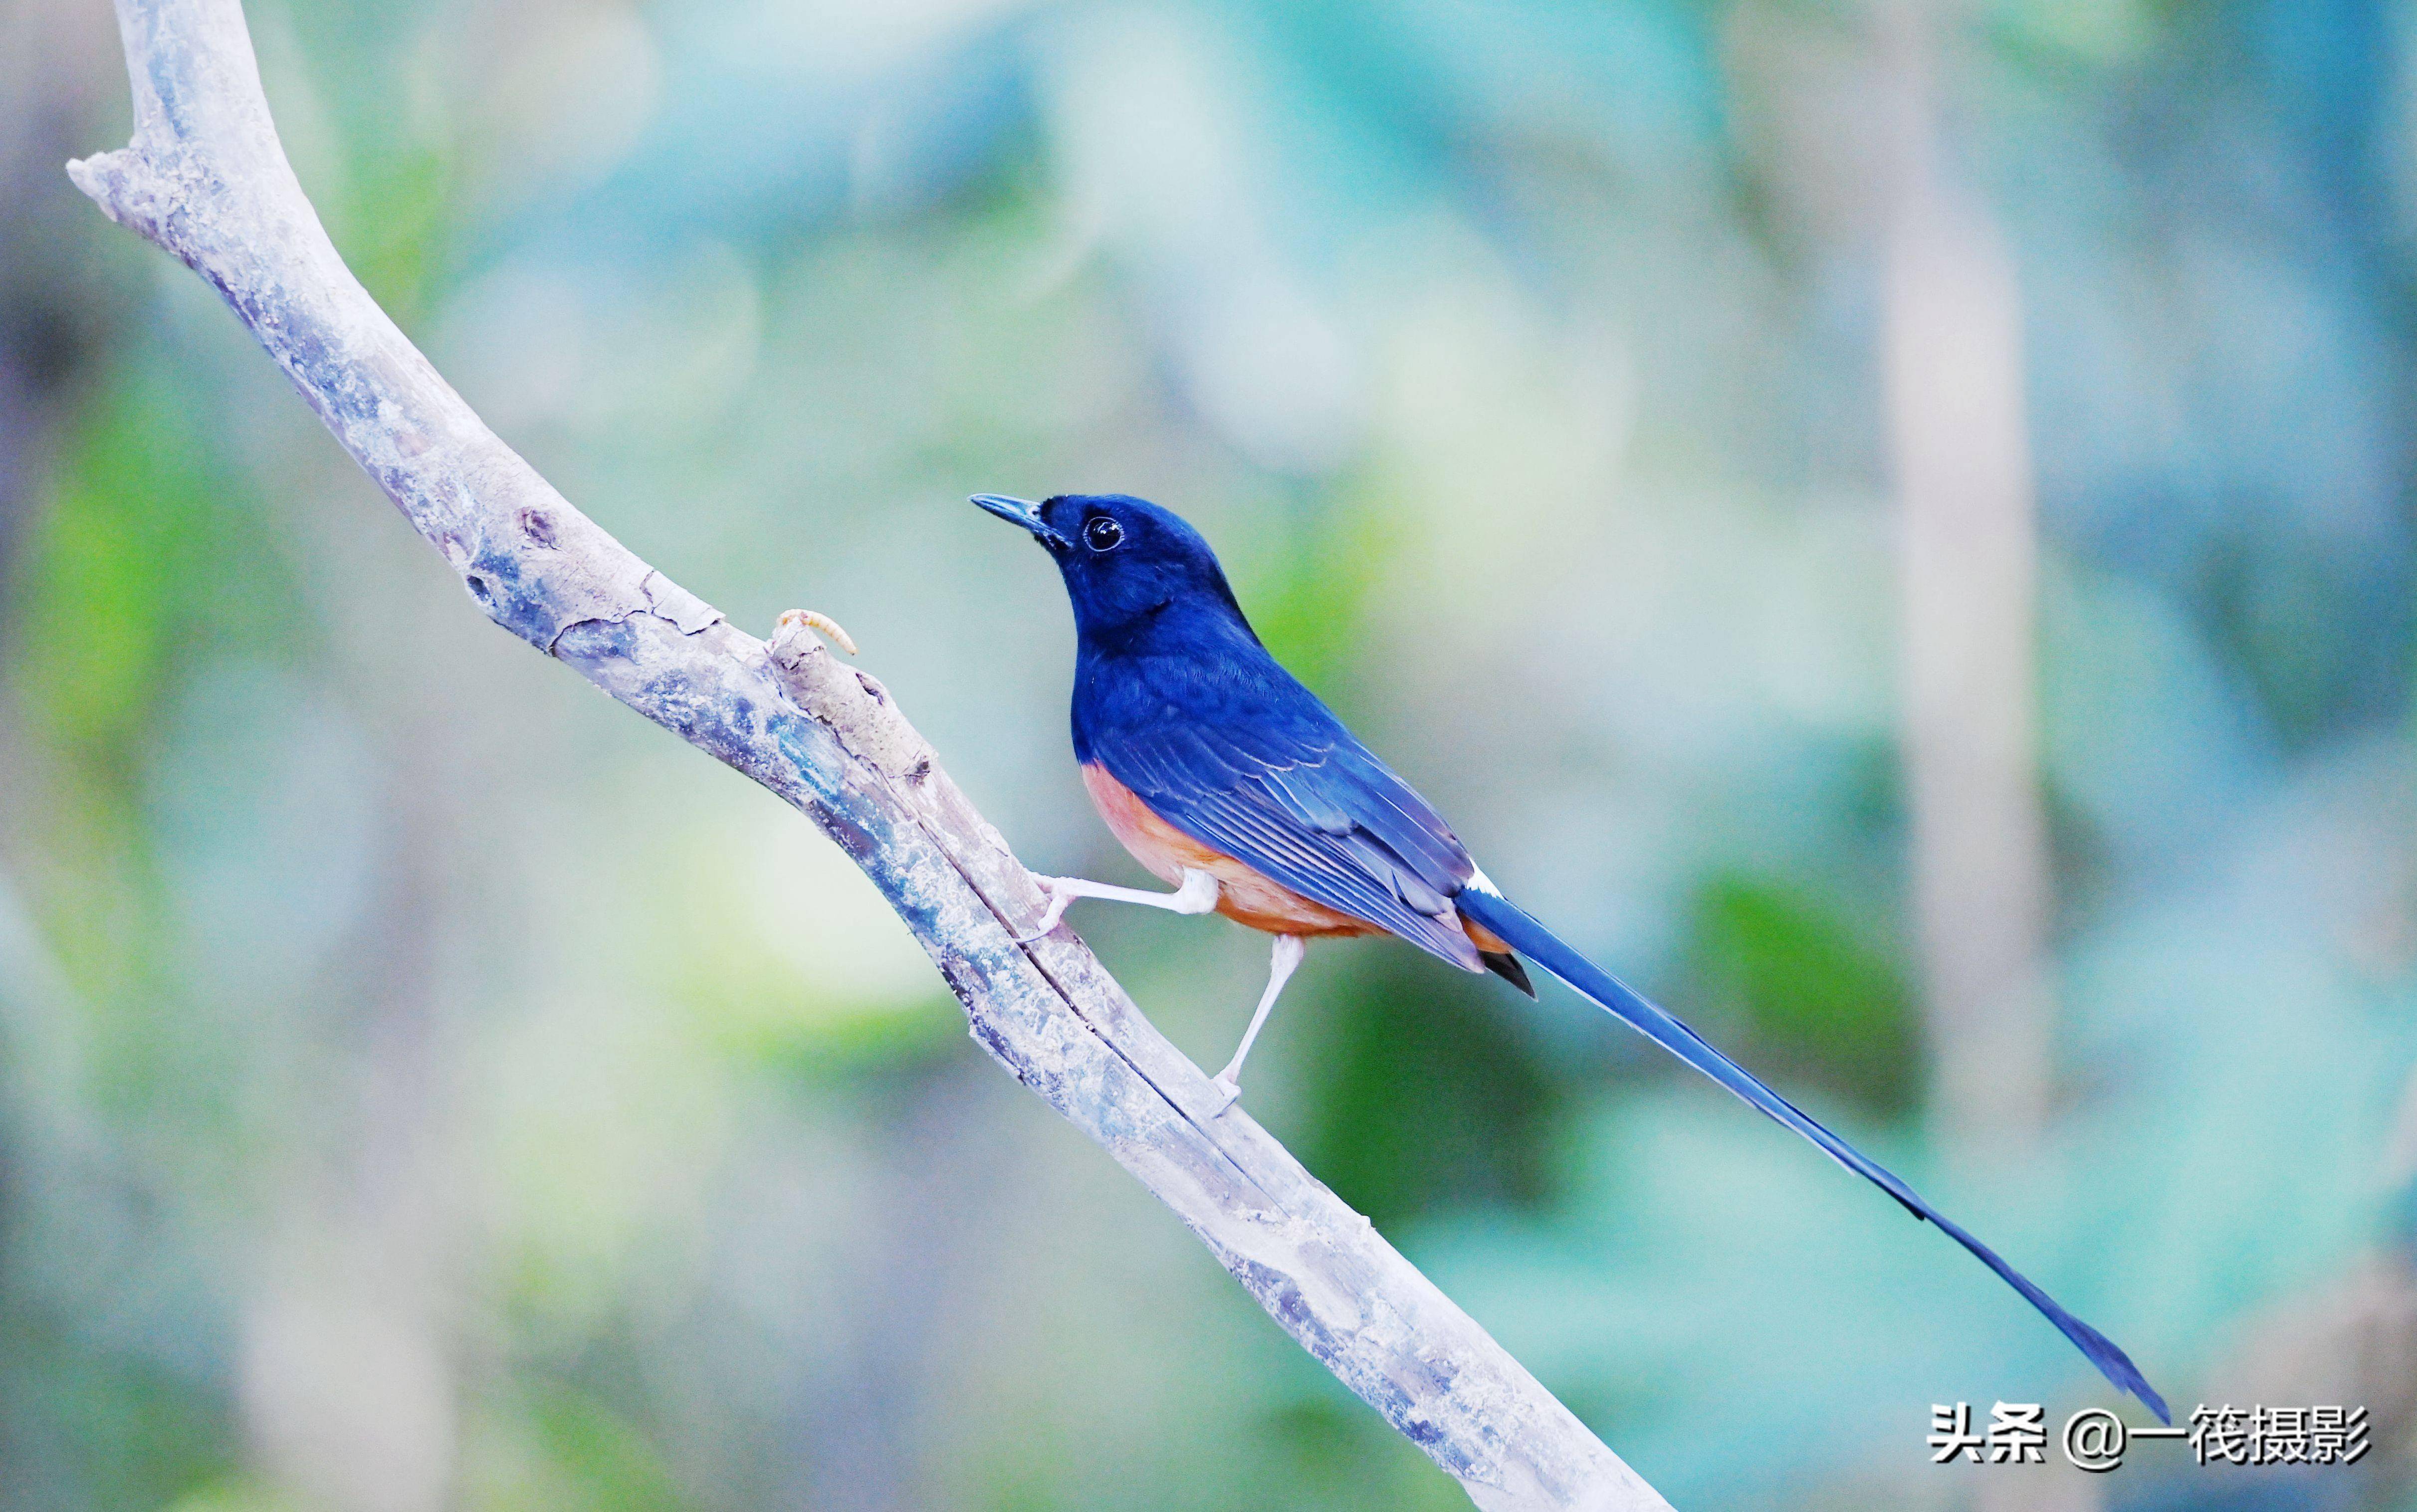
(207,179)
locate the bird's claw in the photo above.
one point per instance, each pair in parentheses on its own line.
(1049,916)
(1228,1093)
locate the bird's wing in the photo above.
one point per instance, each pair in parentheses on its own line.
(1308,806)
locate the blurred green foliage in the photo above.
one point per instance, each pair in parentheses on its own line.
(1827,1002)
(141,547)
(1427,1100)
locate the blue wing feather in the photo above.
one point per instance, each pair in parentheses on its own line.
(1240,756)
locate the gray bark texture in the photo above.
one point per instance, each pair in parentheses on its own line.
(207,179)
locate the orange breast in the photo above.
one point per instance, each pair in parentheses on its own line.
(1243,895)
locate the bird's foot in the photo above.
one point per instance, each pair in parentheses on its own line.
(1228,1092)
(1198,895)
(1057,898)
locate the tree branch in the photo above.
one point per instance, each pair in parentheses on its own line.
(207,179)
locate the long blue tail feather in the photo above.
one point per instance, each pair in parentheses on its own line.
(1522,933)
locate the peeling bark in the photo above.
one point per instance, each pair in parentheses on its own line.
(207,179)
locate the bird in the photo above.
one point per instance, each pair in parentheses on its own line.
(1231,782)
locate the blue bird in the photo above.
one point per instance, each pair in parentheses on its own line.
(1228,779)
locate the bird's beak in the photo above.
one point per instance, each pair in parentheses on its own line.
(1026,513)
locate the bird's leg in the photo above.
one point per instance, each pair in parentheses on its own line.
(1198,895)
(1289,950)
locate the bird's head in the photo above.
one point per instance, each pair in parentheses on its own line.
(1125,559)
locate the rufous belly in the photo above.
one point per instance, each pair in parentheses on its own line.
(1243,895)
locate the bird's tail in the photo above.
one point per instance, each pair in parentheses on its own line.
(1522,933)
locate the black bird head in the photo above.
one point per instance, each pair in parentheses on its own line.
(1125,559)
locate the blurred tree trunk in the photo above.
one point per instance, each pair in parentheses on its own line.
(1968,578)
(1968,583)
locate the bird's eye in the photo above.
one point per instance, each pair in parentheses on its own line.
(1104,534)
